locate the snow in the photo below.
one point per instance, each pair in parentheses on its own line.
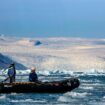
(5,61)
(28,42)
(59,54)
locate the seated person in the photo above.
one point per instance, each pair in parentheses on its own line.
(33,76)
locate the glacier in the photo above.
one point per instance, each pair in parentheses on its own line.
(55,54)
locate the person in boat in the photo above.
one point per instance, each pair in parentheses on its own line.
(11,73)
(33,76)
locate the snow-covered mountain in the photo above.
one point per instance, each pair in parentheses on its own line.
(60,53)
(28,42)
(6,61)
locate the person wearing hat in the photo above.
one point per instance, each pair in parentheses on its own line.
(33,76)
(12,73)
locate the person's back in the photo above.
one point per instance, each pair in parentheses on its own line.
(33,76)
(12,73)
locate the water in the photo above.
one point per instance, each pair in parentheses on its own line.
(90,92)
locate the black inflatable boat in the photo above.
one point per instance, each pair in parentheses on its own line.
(40,87)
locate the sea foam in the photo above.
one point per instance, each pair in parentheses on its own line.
(28,100)
(69,95)
(2,97)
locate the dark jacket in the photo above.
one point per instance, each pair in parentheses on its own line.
(11,71)
(33,77)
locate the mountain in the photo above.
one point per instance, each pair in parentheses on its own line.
(29,42)
(60,53)
(6,61)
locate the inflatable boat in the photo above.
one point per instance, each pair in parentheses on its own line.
(40,87)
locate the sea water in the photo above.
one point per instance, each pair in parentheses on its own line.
(90,92)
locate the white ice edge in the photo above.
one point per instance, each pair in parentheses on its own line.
(48,72)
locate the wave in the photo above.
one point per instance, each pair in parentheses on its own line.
(96,103)
(87,88)
(3,97)
(13,94)
(70,95)
(28,100)
(76,94)
(103,97)
(89,80)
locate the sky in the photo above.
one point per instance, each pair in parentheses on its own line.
(53,18)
